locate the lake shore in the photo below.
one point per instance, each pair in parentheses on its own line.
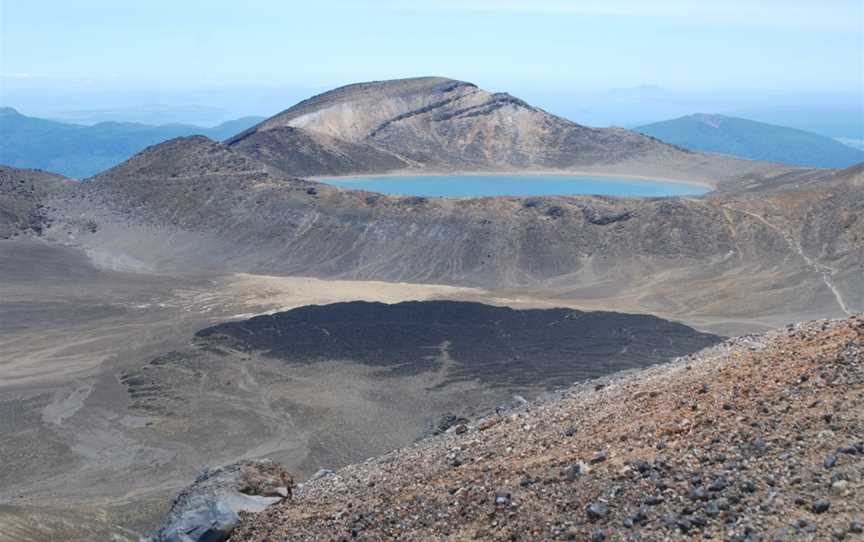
(522,184)
(612,176)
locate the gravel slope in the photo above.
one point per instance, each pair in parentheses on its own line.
(759,438)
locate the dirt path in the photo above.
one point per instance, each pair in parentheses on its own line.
(825,272)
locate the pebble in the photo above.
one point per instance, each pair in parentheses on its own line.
(502,499)
(597,511)
(839,487)
(697,494)
(575,471)
(599,457)
(719,484)
(820,506)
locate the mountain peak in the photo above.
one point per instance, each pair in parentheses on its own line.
(9,112)
(353,112)
(430,123)
(709,119)
(407,84)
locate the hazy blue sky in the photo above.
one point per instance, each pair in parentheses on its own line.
(107,47)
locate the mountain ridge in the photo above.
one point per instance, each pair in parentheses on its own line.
(753,140)
(81,151)
(442,125)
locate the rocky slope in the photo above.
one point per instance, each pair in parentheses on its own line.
(22,200)
(440,124)
(759,438)
(193,204)
(770,242)
(821,216)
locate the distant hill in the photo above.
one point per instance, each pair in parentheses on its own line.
(753,140)
(82,151)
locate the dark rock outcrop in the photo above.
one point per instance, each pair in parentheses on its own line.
(208,510)
(499,345)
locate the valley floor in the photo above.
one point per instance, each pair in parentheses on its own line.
(79,463)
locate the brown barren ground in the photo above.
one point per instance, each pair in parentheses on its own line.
(759,438)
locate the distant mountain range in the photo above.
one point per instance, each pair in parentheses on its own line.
(82,151)
(152,115)
(305,144)
(754,140)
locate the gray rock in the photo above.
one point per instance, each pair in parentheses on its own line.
(207,511)
(599,457)
(575,471)
(442,423)
(502,499)
(321,473)
(597,511)
(821,506)
(719,484)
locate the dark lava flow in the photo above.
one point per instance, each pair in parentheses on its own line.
(499,345)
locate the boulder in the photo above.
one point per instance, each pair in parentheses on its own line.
(208,510)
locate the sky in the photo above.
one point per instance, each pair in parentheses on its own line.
(92,53)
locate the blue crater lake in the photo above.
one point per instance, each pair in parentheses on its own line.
(473,186)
